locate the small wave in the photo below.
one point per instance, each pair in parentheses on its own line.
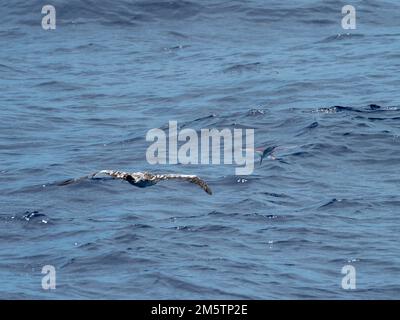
(309,128)
(57,85)
(207,228)
(368,109)
(28,216)
(341,37)
(5,68)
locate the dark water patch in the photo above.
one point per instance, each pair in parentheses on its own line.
(276,195)
(169,9)
(240,68)
(11,33)
(319,22)
(178,35)
(308,128)
(313,125)
(58,85)
(186,285)
(90,47)
(196,122)
(125,238)
(331,148)
(5,68)
(222,214)
(343,203)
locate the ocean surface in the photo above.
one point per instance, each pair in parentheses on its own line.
(82,97)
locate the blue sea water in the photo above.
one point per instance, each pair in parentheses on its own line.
(82,97)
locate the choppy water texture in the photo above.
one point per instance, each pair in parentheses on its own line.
(81,98)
